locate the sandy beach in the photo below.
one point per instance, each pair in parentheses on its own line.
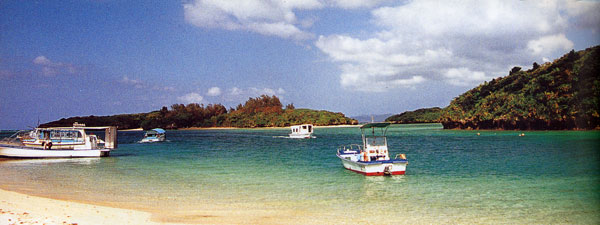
(17,208)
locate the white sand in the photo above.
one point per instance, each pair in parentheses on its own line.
(16,208)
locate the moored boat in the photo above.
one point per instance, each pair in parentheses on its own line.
(302,131)
(60,142)
(154,135)
(372,157)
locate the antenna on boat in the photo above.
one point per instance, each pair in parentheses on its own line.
(36,126)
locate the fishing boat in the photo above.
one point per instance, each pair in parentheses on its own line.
(60,142)
(302,131)
(372,157)
(154,135)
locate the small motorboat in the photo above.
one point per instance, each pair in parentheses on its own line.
(154,135)
(372,157)
(60,142)
(302,131)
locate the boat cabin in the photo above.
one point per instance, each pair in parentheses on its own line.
(301,131)
(77,137)
(375,141)
(154,135)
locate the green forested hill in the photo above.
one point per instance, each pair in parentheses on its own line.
(264,111)
(426,115)
(559,95)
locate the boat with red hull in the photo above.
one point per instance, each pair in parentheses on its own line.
(372,157)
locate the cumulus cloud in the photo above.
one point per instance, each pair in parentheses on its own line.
(191,97)
(458,42)
(235,91)
(547,44)
(465,77)
(414,41)
(50,68)
(236,94)
(42,60)
(214,91)
(267,17)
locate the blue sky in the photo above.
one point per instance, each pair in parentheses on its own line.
(103,57)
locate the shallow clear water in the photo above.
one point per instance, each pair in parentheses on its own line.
(452,176)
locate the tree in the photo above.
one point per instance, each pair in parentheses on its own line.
(290,106)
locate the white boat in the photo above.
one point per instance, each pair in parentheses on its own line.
(372,157)
(154,135)
(60,142)
(302,131)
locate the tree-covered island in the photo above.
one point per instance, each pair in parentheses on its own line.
(263,111)
(562,95)
(426,115)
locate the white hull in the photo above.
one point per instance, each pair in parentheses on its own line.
(55,145)
(20,152)
(300,136)
(376,168)
(150,140)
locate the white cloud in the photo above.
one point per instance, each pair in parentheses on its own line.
(267,17)
(280,91)
(240,94)
(235,91)
(49,68)
(352,4)
(465,77)
(132,82)
(214,91)
(191,98)
(547,44)
(458,42)
(413,41)
(545,60)
(262,91)
(584,13)
(42,60)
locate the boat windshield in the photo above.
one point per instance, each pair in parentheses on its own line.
(376,141)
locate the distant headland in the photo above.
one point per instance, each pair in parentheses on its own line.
(562,95)
(263,111)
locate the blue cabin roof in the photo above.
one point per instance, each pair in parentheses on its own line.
(157,130)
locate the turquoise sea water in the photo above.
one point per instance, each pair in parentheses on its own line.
(452,176)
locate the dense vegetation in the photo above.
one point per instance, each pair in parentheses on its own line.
(426,115)
(559,95)
(263,111)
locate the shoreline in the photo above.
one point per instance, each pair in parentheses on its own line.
(18,208)
(238,128)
